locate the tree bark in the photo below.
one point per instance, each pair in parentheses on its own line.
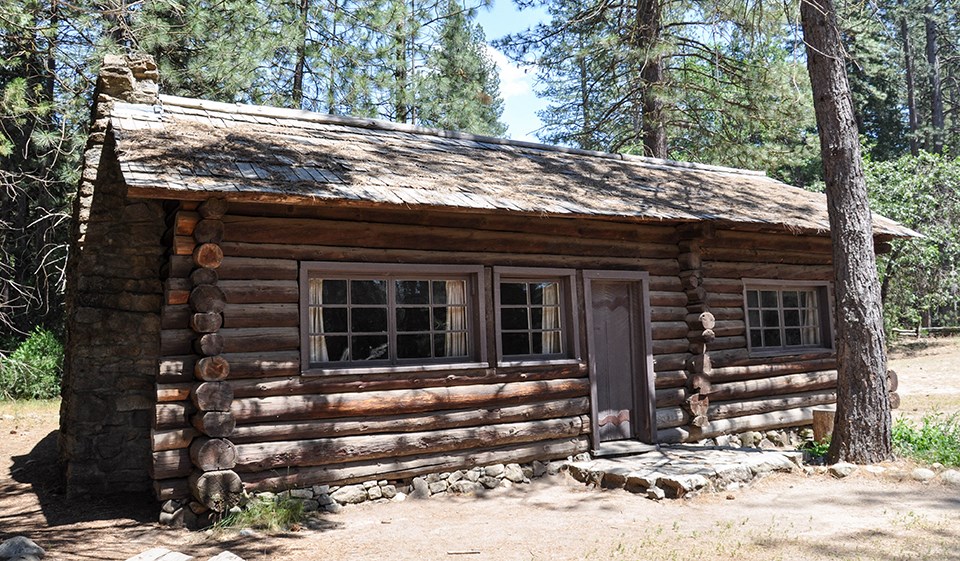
(911,87)
(651,77)
(936,89)
(301,64)
(863,430)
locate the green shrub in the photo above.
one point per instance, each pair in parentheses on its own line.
(935,439)
(34,369)
(271,515)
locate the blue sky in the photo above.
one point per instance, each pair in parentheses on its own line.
(516,85)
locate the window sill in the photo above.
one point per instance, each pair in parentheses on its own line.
(534,362)
(818,351)
(410,369)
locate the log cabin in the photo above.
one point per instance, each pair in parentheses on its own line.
(263,298)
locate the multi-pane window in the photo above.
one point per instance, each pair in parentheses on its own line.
(530,318)
(780,318)
(393,319)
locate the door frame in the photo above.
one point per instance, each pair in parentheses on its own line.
(644,393)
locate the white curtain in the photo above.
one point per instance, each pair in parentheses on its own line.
(551,318)
(811,321)
(455,340)
(318,342)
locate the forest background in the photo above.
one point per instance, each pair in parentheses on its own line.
(713,81)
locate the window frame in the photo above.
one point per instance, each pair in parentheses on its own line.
(824,290)
(569,314)
(475,310)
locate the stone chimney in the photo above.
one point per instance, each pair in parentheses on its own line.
(130,78)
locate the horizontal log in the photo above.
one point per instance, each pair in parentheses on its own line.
(268,230)
(257,268)
(494,221)
(171,439)
(298,407)
(724,343)
(660,267)
(764,370)
(726,286)
(180,265)
(668,330)
(174,369)
(185,221)
(172,415)
(756,255)
(176,291)
(170,463)
(791,383)
(670,396)
(664,313)
(664,283)
(167,489)
(737,239)
(183,245)
(175,317)
(260,292)
(668,299)
(670,346)
(671,378)
(722,300)
(673,435)
(756,406)
(402,468)
(742,357)
(249,340)
(409,423)
(728,312)
(761,422)
(727,269)
(672,417)
(326,451)
(173,392)
(298,385)
(262,365)
(676,361)
(261,315)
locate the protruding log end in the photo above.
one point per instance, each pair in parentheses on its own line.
(218,424)
(210,344)
(218,490)
(207,298)
(204,276)
(213,454)
(212,369)
(212,396)
(208,255)
(213,209)
(206,322)
(208,231)
(894,400)
(707,320)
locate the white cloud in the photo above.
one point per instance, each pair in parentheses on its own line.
(514,81)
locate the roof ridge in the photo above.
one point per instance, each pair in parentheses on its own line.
(369,123)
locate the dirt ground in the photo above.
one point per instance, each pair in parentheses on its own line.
(782,517)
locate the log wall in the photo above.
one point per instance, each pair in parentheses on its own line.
(290,429)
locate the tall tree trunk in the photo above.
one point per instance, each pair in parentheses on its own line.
(862,431)
(649,13)
(586,141)
(300,67)
(936,89)
(911,87)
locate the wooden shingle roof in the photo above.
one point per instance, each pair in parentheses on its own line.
(194,149)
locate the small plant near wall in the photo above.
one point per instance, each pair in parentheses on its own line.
(815,452)
(270,515)
(935,439)
(34,369)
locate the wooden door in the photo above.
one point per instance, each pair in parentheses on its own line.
(617,358)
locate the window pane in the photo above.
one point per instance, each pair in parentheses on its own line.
(756,338)
(771,338)
(790,299)
(768,298)
(450,344)
(754,318)
(806,299)
(455,318)
(753,299)
(368,292)
(368,320)
(515,343)
(546,343)
(771,318)
(450,292)
(792,336)
(337,348)
(791,318)
(413,319)
(811,336)
(413,292)
(369,347)
(513,293)
(334,320)
(413,346)
(334,292)
(513,318)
